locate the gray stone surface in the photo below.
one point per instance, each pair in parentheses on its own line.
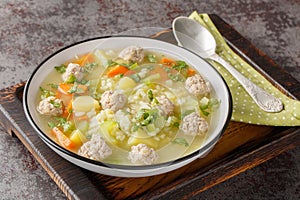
(32,30)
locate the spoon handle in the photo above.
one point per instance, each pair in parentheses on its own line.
(262,98)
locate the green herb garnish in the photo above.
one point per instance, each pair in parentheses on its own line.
(53,85)
(180,65)
(71,79)
(55,104)
(61,68)
(89,67)
(150,95)
(75,89)
(176,124)
(46,93)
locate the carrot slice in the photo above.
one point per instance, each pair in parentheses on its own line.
(89,58)
(167,61)
(62,138)
(68,109)
(116,70)
(191,72)
(84,59)
(64,88)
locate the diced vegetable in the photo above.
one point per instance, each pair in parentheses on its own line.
(151,142)
(78,138)
(62,138)
(82,126)
(152,58)
(207,104)
(86,59)
(68,110)
(167,61)
(126,83)
(191,72)
(151,78)
(108,129)
(64,88)
(83,104)
(116,70)
(101,56)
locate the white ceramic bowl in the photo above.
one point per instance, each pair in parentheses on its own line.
(219,122)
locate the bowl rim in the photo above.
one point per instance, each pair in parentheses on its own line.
(52,143)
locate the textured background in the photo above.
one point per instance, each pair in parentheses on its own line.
(32,30)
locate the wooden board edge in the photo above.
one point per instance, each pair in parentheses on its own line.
(13,123)
(192,185)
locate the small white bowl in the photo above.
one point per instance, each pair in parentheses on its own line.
(218,124)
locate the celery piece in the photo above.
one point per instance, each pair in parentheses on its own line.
(101,56)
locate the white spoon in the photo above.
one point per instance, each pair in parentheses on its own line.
(193,36)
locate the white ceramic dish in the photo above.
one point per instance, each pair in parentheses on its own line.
(221,116)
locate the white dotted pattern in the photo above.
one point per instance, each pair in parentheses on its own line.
(244,109)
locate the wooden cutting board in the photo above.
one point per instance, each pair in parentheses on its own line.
(242,146)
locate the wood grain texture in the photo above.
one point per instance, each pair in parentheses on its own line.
(242,146)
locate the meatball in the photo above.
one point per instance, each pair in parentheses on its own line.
(95,149)
(113,100)
(142,154)
(197,85)
(166,105)
(193,124)
(132,53)
(73,69)
(50,106)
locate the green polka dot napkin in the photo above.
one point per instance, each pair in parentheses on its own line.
(244,108)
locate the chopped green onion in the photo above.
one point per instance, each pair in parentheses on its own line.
(152,58)
(207,104)
(133,66)
(180,141)
(150,95)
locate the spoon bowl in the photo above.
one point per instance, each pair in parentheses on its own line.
(195,37)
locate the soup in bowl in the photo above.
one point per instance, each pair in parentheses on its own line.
(127,106)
